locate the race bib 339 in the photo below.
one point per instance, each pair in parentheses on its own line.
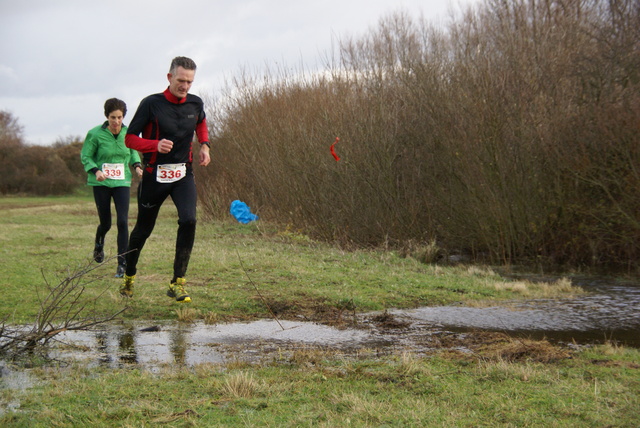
(114,171)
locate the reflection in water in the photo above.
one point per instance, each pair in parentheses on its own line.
(103,348)
(118,345)
(127,347)
(178,346)
(115,346)
(608,313)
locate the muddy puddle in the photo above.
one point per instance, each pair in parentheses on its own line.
(158,344)
(154,346)
(609,312)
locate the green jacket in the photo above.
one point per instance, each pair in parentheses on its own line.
(100,147)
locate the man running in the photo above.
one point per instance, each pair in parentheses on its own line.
(166,122)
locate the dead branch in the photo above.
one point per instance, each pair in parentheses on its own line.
(63,307)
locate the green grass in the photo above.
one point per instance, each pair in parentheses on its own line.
(501,383)
(317,390)
(53,237)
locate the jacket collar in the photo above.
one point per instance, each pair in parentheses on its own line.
(172,98)
(105,125)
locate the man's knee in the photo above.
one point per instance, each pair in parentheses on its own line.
(187,222)
(105,226)
(141,233)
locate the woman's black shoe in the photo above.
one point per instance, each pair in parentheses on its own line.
(98,253)
(120,271)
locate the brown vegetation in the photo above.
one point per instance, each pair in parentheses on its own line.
(510,134)
(37,170)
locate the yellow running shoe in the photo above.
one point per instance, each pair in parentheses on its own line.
(176,289)
(126,289)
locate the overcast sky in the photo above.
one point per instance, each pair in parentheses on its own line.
(60,60)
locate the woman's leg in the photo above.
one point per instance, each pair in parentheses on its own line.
(121,201)
(102,197)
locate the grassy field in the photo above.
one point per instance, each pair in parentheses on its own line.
(46,240)
(502,382)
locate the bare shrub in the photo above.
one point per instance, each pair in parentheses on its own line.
(63,307)
(68,149)
(11,132)
(35,170)
(511,134)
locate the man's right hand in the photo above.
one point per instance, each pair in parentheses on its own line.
(165,146)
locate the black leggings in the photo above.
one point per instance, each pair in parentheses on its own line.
(151,195)
(120,196)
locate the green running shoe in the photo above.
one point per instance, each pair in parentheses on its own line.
(126,289)
(176,289)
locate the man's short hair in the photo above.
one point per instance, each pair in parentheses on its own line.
(113,104)
(182,61)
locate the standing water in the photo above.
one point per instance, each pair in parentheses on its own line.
(610,312)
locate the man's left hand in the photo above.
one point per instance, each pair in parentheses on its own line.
(205,158)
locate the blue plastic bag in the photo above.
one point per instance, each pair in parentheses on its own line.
(242,212)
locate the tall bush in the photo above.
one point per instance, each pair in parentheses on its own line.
(511,134)
(36,170)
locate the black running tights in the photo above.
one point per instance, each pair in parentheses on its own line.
(120,196)
(151,195)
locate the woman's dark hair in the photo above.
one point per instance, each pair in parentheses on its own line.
(113,104)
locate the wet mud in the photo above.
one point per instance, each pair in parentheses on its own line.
(607,313)
(599,317)
(171,343)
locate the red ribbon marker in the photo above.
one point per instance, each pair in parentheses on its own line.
(333,152)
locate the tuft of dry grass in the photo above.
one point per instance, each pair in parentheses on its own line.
(424,252)
(561,287)
(310,356)
(410,365)
(241,385)
(611,348)
(187,314)
(211,318)
(505,369)
(523,350)
(373,411)
(478,271)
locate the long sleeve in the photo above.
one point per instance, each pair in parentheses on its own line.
(134,158)
(202,132)
(140,144)
(88,152)
(140,125)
